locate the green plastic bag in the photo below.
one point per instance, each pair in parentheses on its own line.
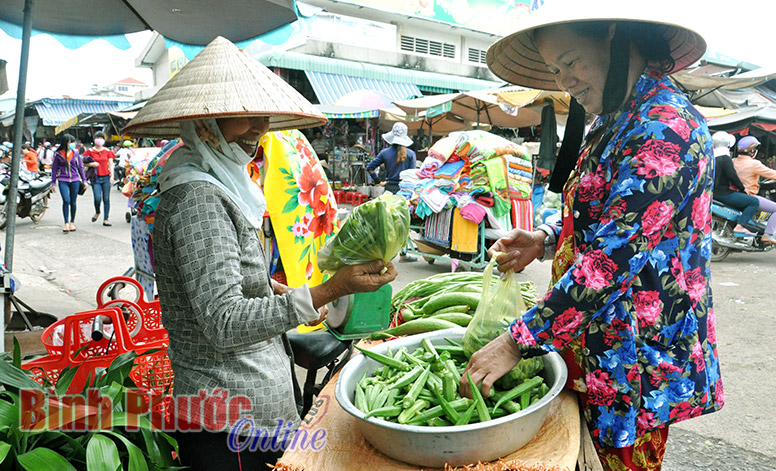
(375,230)
(501,303)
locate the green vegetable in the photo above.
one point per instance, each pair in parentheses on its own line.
(444,300)
(462,308)
(482,408)
(408,378)
(459,318)
(526,368)
(389,411)
(417,386)
(375,230)
(360,401)
(385,360)
(466,417)
(418,326)
(429,347)
(412,411)
(518,390)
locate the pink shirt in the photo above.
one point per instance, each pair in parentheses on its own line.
(750,170)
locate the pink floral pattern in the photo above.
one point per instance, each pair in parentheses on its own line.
(632,294)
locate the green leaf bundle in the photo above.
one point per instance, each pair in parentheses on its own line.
(375,230)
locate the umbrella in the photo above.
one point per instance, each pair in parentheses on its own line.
(476,106)
(365,99)
(191,22)
(437,125)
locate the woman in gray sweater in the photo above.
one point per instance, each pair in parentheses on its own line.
(225,317)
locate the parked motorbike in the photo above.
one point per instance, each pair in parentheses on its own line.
(768,189)
(31,200)
(725,241)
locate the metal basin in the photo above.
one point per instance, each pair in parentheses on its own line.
(456,445)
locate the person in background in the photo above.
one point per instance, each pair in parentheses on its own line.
(67,174)
(749,171)
(41,151)
(48,155)
(630,305)
(30,159)
(395,158)
(100,159)
(728,188)
(320,146)
(125,153)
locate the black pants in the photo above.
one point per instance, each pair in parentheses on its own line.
(208,451)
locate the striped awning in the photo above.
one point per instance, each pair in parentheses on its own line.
(55,111)
(331,87)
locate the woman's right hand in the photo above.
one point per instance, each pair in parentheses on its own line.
(363,278)
(353,279)
(53,187)
(518,249)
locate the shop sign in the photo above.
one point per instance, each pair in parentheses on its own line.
(493,16)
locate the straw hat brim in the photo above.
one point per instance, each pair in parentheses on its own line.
(223,82)
(516,59)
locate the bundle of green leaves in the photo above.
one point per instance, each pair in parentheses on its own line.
(375,230)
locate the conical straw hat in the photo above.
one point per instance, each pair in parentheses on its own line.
(516,59)
(223,82)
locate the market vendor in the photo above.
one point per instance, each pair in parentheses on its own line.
(226,319)
(630,307)
(395,158)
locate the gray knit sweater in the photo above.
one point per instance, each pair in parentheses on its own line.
(224,323)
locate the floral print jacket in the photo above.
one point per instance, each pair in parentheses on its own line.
(637,300)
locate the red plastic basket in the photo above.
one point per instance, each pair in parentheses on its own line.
(137,327)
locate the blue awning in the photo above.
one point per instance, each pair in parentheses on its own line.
(331,87)
(55,111)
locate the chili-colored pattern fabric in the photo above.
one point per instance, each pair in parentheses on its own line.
(646,454)
(638,296)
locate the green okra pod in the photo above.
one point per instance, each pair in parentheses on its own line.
(482,408)
(388,411)
(385,360)
(412,411)
(416,388)
(408,377)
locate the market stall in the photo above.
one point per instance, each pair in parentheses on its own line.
(473,186)
(396,405)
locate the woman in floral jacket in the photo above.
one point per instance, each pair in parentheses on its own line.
(630,306)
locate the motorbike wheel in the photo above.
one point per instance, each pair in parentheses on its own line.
(41,208)
(3,215)
(721,228)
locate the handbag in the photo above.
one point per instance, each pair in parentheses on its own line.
(82,188)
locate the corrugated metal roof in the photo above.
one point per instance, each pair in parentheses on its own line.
(55,111)
(329,65)
(331,87)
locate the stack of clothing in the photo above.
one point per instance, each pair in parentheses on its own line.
(520,175)
(476,170)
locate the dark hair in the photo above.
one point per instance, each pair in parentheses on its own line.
(64,140)
(647,38)
(99,134)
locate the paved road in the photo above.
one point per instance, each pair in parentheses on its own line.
(61,272)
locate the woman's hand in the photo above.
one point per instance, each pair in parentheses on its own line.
(324,311)
(364,278)
(490,363)
(353,279)
(519,248)
(279,288)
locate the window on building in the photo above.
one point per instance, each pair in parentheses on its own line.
(427,47)
(123,88)
(477,55)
